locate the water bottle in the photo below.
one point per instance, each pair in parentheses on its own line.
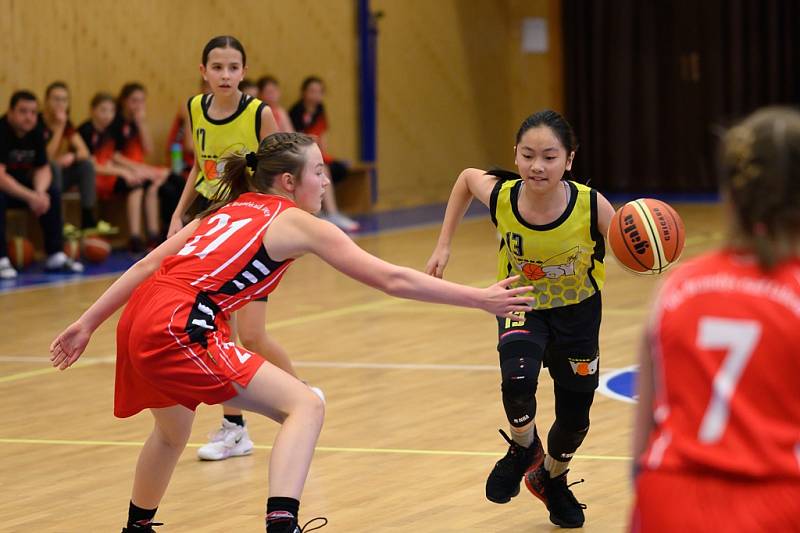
(176,156)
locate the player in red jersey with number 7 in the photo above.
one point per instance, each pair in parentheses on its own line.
(717,436)
(174,349)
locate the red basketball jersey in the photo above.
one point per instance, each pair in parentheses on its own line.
(725,343)
(225,258)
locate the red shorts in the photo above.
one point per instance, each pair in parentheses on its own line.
(157,364)
(668,502)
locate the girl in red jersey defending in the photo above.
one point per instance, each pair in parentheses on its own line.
(173,340)
(717,435)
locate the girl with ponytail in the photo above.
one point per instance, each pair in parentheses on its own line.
(718,414)
(174,345)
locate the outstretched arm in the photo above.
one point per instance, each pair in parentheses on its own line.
(472,182)
(69,345)
(296,232)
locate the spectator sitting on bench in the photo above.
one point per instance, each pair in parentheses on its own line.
(308,116)
(70,159)
(26,182)
(111,177)
(133,144)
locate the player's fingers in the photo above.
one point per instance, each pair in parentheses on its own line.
(520,290)
(508,281)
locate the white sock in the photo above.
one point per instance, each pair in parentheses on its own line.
(524,437)
(555,468)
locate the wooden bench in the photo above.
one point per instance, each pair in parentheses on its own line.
(354,193)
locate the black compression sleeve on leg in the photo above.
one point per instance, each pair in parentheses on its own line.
(571,424)
(520,363)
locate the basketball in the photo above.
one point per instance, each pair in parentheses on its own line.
(72,247)
(646,236)
(20,252)
(95,249)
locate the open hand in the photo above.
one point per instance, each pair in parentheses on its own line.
(69,345)
(501,301)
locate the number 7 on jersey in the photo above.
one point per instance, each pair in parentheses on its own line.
(739,339)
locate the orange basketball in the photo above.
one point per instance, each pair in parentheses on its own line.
(646,236)
(72,247)
(20,252)
(95,249)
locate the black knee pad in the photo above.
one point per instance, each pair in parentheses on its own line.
(520,363)
(572,422)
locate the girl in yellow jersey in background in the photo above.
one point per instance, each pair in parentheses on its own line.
(225,122)
(553,236)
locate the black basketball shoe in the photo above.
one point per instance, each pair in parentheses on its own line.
(504,479)
(565,509)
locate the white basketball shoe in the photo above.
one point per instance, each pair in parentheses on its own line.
(231,440)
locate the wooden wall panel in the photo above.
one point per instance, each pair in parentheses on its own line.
(99,45)
(453,84)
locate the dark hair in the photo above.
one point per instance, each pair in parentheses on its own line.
(20,96)
(224,41)
(277,153)
(99,98)
(561,128)
(53,86)
(557,124)
(245,83)
(263,81)
(308,81)
(760,170)
(127,90)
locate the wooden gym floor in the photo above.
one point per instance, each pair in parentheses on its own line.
(412,416)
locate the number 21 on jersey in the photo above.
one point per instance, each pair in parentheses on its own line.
(221,220)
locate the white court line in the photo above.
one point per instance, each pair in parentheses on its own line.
(305,364)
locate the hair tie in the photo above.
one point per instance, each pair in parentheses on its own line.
(252,161)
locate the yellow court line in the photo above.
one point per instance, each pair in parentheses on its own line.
(51,369)
(334,449)
(23,375)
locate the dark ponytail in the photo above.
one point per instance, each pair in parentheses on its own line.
(503,175)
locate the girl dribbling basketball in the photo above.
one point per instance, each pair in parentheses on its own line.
(552,236)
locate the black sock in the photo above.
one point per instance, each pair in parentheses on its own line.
(87,218)
(235,419)
(139,518)
(278,507)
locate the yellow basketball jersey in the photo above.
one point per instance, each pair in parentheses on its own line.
(562,260)
(214,139)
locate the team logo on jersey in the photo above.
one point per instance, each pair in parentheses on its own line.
(556,267)
(214,165)
(584,366)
